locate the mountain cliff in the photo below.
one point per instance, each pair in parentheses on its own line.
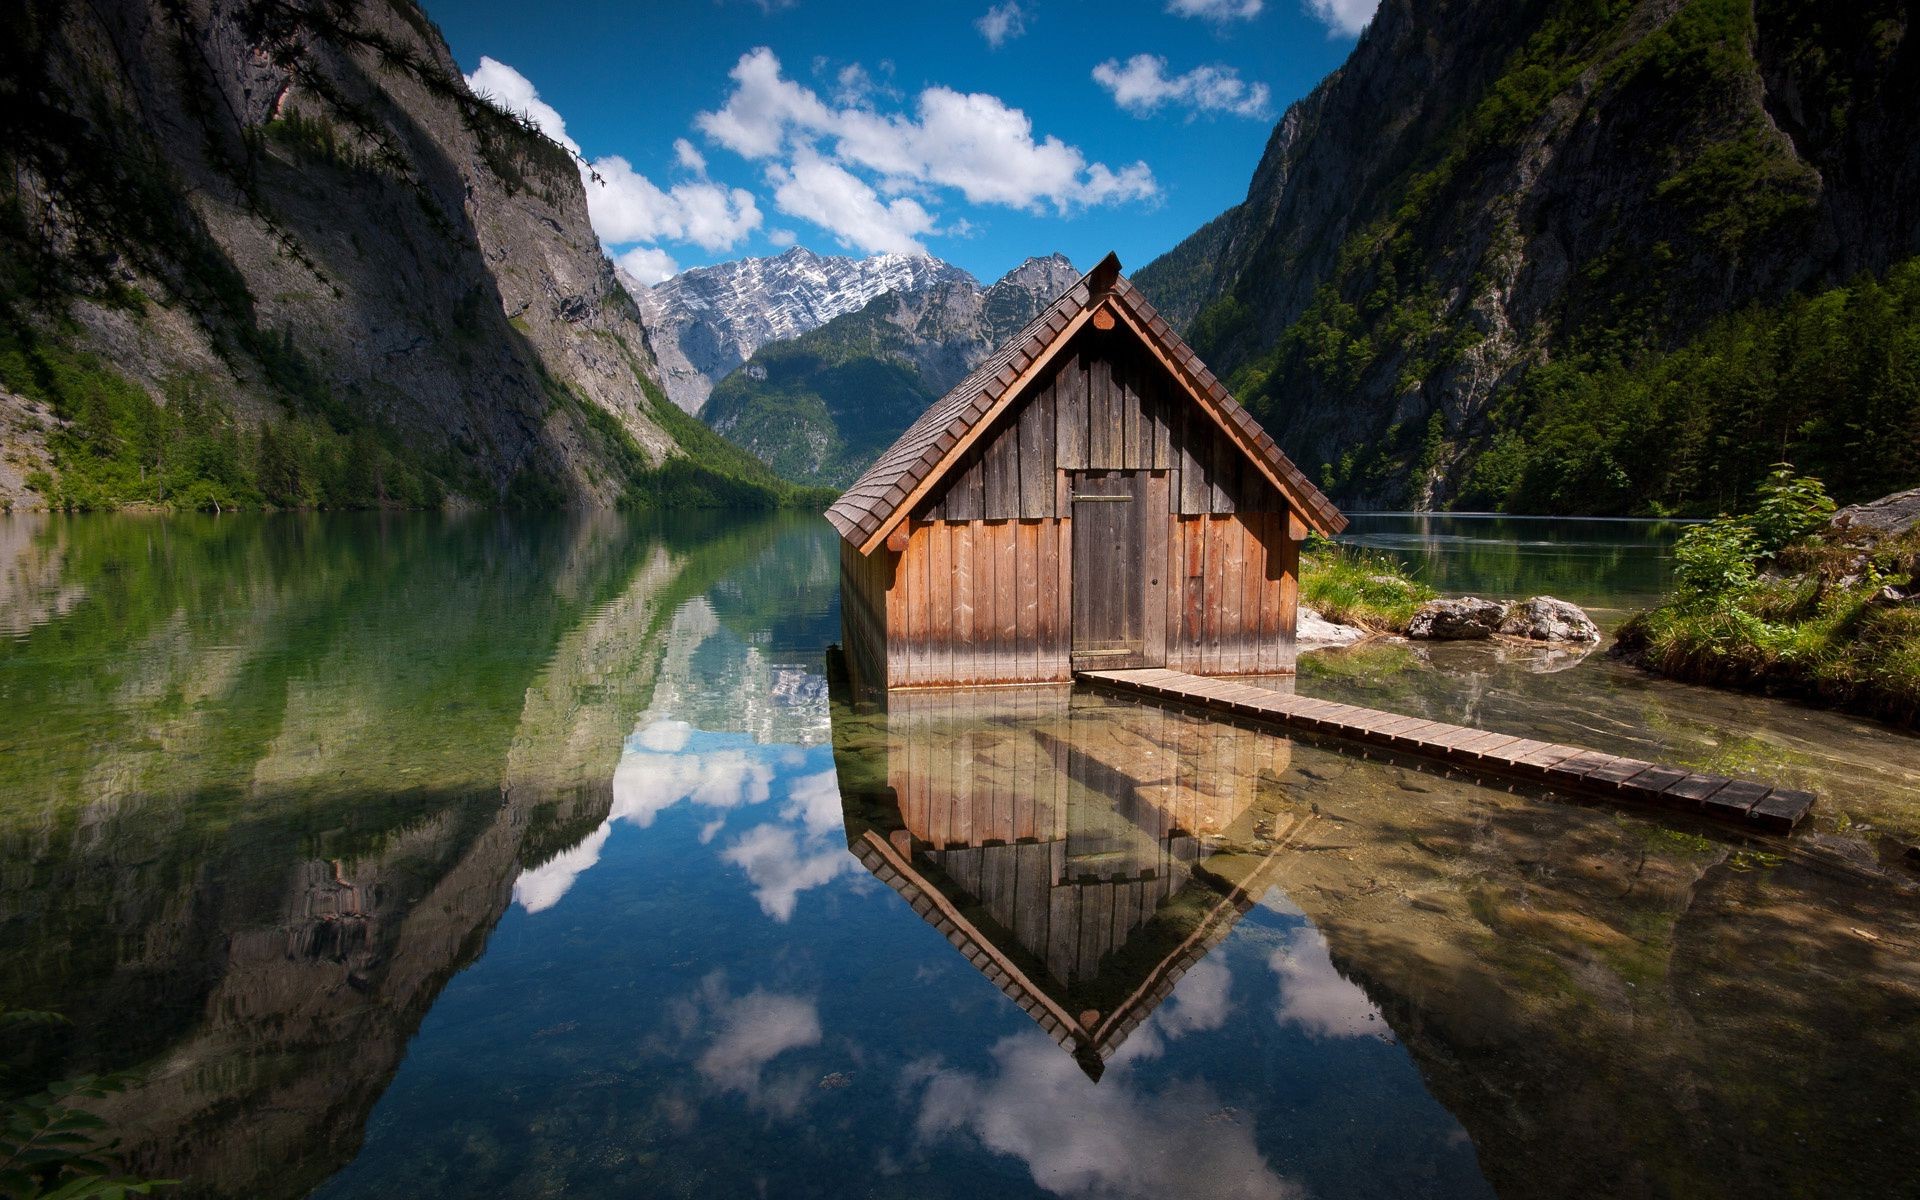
(709,320)
(821,406)
(272,251)
(1581,255)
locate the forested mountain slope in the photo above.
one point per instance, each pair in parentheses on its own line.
(1603,256)
(276,252)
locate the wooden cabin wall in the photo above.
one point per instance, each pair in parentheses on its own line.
(865,582)
(1233,603)
(982,593)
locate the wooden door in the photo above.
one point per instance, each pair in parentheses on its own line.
(1109,583)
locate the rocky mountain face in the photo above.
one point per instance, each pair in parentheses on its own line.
(273,251)
(1509,255)
(820,407)
(709,320)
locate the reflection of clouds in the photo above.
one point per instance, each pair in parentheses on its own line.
(646,784)
(1313,995)
(814,800)
(542,887)
(1200,1002)
(750,1032)
(781,868)
(1109,1139)
(669,762)
(664,737)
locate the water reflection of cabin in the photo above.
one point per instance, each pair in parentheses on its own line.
(1082,853)
(1090,497)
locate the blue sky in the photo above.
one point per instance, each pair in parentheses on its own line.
(981,132)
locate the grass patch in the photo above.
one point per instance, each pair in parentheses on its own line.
(1360,587)
(1809,618)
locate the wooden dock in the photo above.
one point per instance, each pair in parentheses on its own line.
(1568,768)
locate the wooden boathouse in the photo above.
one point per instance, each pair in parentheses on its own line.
(1090,498)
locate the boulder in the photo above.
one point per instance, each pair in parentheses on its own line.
(1544,619)
(1313,631)
(1457,620)
(1898,513)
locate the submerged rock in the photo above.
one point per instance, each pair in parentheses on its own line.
(1457,620)
(1544,619)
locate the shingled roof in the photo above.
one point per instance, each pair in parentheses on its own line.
(909,468)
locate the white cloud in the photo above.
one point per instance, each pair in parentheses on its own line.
(625,206)
(1218,10)
(648,264)
(1141,85)
(764,104)
(1343,18)
(687,156)
(509,89)
(782,237)
(973,143)
(1315,997)
(835,199)
(1002,23)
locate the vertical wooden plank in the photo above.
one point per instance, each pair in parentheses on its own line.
(1137,436)
(940,602)
(1050,662)
(1173,590)
(1286,528)
(1243,604)
(1027,622)
(1070,415)
(1007,600)
(963,602)
(1259,576)
(913,563)
(1103,417)
(966,498)
(1160,398)
(896,620)
(932,594)
(1196,461)
(1216,585)
(1153,525)
(1000,459)
(1226,473)
(1036,456)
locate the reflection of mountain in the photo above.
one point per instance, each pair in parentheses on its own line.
(284,793)
(1083,855)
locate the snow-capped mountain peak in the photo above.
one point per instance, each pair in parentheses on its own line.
(706,321)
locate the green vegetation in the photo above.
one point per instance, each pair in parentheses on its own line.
(114,445)
(1775,602)
(1359,587)
(824,405)
(1831,381)
(1639,148)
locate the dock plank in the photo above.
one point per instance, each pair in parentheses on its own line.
(1747,802)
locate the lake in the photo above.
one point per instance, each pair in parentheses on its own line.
(540,856)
